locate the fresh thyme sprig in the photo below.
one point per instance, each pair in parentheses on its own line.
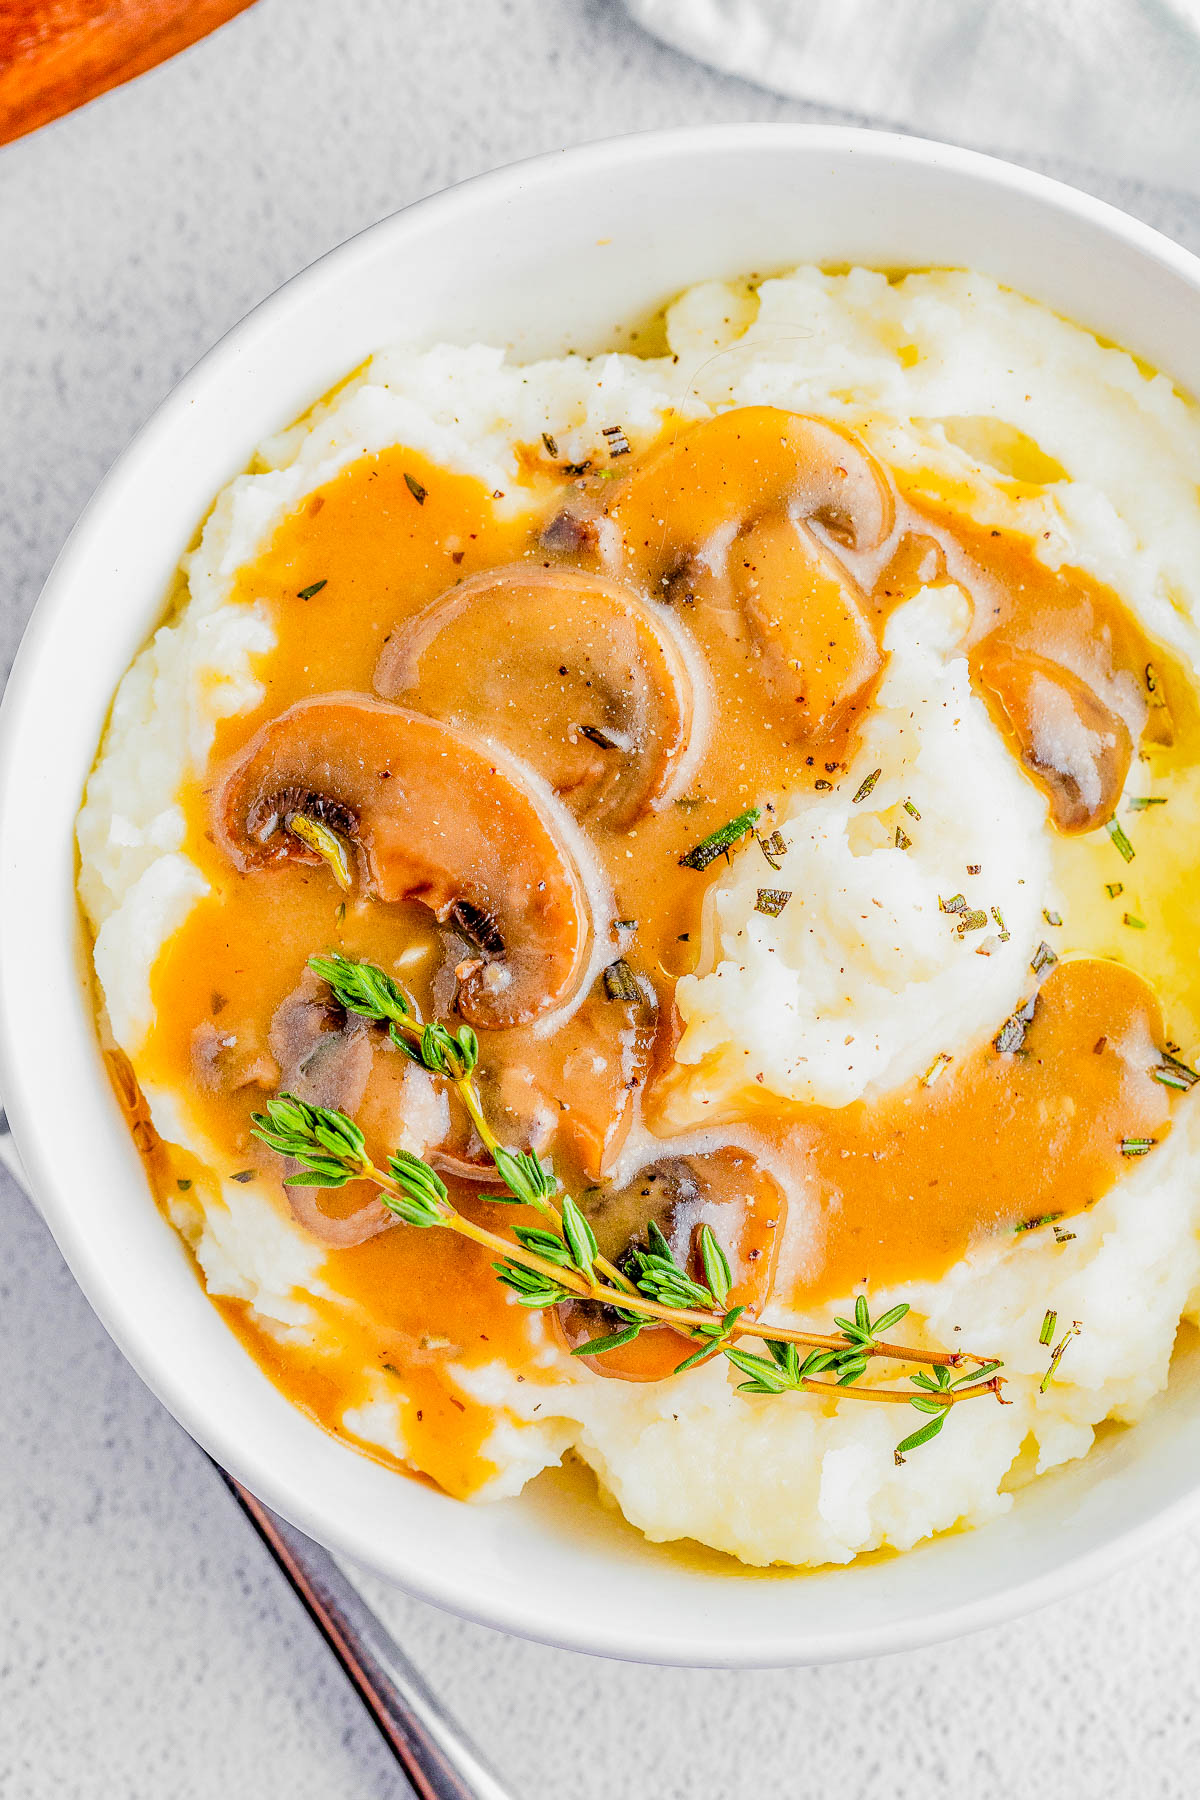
(559,1260)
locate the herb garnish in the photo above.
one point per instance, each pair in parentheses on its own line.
(313,588)
(1113,888)
(1056,1355)
(559,1260)
(971,920)
(1005,934)
(867,786)
(551,444)
(327,844)
(1011,1035)
(415,488)
(773,847)
(619,982)
(1134,923)
(903,841)
(1043,956)
(1048,1324)
(1140,802)
(937,1067)
(1035,1224)
(1051,918)
(1137,1146)
(721,841)
(1174,1074)
(911,809)
(772,901)
(618,443)
(1118,837)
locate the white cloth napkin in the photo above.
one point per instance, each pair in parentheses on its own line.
(1110,84)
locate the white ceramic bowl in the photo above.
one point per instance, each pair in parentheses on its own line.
(548,254)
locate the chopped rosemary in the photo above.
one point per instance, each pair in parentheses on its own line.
(1118,837)
(1048,1324)
(1113,888)
(1051,918)
(937,1067)
(1137,1146)
(1005,934)
(313,588)
(1011,1035)
(957,903)
(1140,802)
(772,901)
(903,841)
(1043,956)
(867,786)
(415,488)
(1174,1074)
(1035,1224)
(327,844)
(911,809)
(972,920)
(600,738)
(551,444)
(619,982)
(1056,1355)
(721,841)
(618,443)
(184,1184)
(773,847)
(244,1175)
(625,924)
(1063,1237)
(1134,923)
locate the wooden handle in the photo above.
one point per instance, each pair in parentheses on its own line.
(57,54)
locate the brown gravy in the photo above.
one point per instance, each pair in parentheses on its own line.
(896,1188)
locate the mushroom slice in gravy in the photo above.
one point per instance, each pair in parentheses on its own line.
(743,492)
(584,681)
(1077,747)
(726,1189)
(433,817)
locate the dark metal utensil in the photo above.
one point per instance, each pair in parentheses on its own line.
(437,1757)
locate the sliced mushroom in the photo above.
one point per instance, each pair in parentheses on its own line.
(571,672)
(729,1191)
(230,1056)
(725,516)
(433,817)
(738,466)
(1075,746)
(335,1059)
(807,616)
(575,1093)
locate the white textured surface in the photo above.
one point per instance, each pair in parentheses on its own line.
(147,1649)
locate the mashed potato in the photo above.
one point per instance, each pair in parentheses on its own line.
(860,983)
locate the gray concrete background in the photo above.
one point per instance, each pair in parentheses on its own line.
(148,1651)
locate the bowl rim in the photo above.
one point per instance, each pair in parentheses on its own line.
(32,1123)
